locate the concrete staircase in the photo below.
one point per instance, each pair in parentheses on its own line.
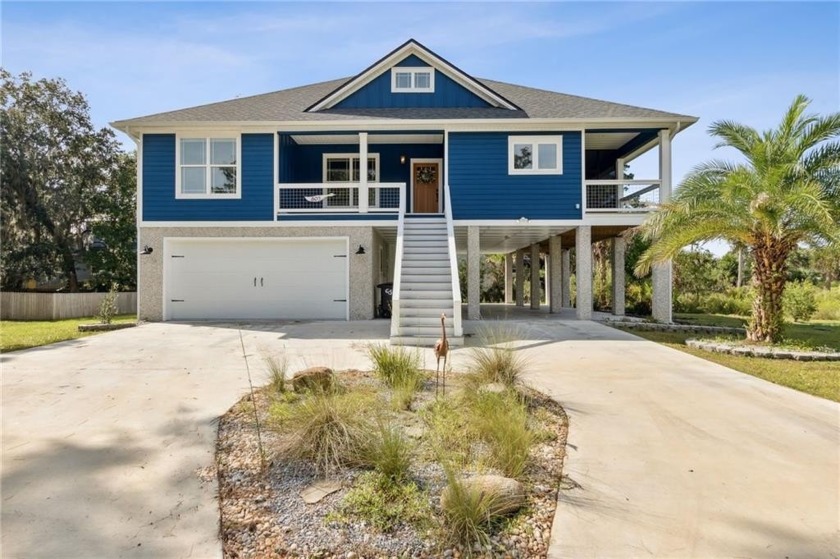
(425,289)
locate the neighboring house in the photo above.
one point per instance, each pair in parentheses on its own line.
(296,204)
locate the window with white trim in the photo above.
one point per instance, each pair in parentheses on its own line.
(208,168)
(345,167)
(412,80)
(535,155)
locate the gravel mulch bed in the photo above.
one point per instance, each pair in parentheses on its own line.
(263,515)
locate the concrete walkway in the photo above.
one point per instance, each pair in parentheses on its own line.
(105,438)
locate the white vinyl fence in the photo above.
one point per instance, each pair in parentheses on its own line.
(55,306)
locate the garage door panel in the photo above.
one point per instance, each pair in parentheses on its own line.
(215,279)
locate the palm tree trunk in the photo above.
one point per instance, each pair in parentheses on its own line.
(769,276)
(740,280)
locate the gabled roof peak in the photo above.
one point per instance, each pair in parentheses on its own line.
(408,48)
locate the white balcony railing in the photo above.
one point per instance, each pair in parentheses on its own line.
(297,198)
(621,196)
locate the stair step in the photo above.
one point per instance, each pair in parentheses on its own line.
(424,322)
(425,270)
(425,286)
(442,255)
(422,341)
(438,294)
(414,264)
(426,237)
(425,331)
(433,312)
(440,303)
(425,243)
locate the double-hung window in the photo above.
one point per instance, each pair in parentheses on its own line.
(208,167)
(412,80)
(535,155)
(345,167)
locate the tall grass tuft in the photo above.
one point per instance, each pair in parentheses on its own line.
(501,421)
(468,514)
(389,452)
(327,428)
(399,368)
(497,360)
(277,367)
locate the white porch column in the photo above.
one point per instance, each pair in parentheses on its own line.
(661,275)
(473,274)
(583,271)
(509,278)
(363,172)
(619,246)
(619,175)
(520,278)
(566,279)
(536,291)
(555,248)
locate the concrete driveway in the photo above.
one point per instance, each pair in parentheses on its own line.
(106,441)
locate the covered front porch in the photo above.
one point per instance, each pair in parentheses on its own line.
(359,175)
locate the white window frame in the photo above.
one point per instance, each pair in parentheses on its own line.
(351,157)
(208,194)
(534,140)
(413,71)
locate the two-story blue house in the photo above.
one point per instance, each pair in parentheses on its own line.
(296,204)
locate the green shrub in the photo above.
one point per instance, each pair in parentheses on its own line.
(327,428)
(277,368)
(447,432)
(384,504)
(638,298)
(828,304)
(737,301)
(389,452)
(799,301)
(501,421)
(108,308)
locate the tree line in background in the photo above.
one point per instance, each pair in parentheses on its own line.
(67,197)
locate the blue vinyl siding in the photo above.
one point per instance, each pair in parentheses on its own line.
(481,187)
(377,94)
(257,168)
(306,164)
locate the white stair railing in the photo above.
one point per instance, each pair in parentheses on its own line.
(453,265)
(398,261)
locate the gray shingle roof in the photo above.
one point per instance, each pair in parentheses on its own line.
(290,104)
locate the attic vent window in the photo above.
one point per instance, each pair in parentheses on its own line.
(412,80)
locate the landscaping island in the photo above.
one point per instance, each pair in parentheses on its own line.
(354,464)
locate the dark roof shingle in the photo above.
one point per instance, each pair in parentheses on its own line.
(289,105)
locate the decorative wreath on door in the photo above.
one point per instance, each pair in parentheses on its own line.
(426,174)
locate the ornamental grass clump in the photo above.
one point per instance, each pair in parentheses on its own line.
(497,360)
(468,514)
(277,367)
(389,452)
(329,429)
(501,421)
(399,368)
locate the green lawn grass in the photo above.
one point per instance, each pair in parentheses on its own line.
(20,334)
(820,378)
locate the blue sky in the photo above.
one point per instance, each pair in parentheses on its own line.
(742,61)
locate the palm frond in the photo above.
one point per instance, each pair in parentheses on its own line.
(732,134)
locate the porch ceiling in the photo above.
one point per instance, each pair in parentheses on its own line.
(353,139)
(608,140)
(507,238)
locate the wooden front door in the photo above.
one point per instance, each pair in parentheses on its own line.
(426,178)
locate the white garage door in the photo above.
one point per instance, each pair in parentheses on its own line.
(254,278)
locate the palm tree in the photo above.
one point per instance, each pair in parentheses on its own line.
(785,193)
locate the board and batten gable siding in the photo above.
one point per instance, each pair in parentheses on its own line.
(257,168)
(377,94)
(481,187)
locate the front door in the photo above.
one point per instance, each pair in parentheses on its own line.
(426,179)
